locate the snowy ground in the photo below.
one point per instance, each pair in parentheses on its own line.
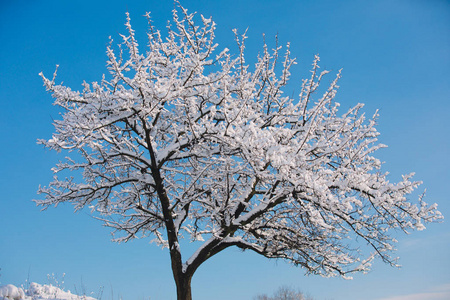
(38,292)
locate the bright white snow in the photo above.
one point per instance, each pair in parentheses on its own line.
(10,291)
(38,292)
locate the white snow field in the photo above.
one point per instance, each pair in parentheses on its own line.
(38,292)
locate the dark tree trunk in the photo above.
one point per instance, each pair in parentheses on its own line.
(182,279)
(183,283)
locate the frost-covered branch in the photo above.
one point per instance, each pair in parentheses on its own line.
(185,140)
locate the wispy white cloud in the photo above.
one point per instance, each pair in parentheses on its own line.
(441,292)
(425,241)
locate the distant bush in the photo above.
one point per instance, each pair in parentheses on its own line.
(284,293)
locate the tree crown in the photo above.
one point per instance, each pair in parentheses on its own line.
(185,140)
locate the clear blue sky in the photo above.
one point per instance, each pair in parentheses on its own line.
(395,56)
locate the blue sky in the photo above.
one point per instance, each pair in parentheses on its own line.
(395,57)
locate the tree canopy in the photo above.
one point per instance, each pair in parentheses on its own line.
(186,140)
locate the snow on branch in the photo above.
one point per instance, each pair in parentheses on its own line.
(185,140)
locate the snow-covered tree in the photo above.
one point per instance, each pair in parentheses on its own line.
(184,140)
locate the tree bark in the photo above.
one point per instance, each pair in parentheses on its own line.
(182,280)
(183,283)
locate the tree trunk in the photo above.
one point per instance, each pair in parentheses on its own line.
(183,283)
